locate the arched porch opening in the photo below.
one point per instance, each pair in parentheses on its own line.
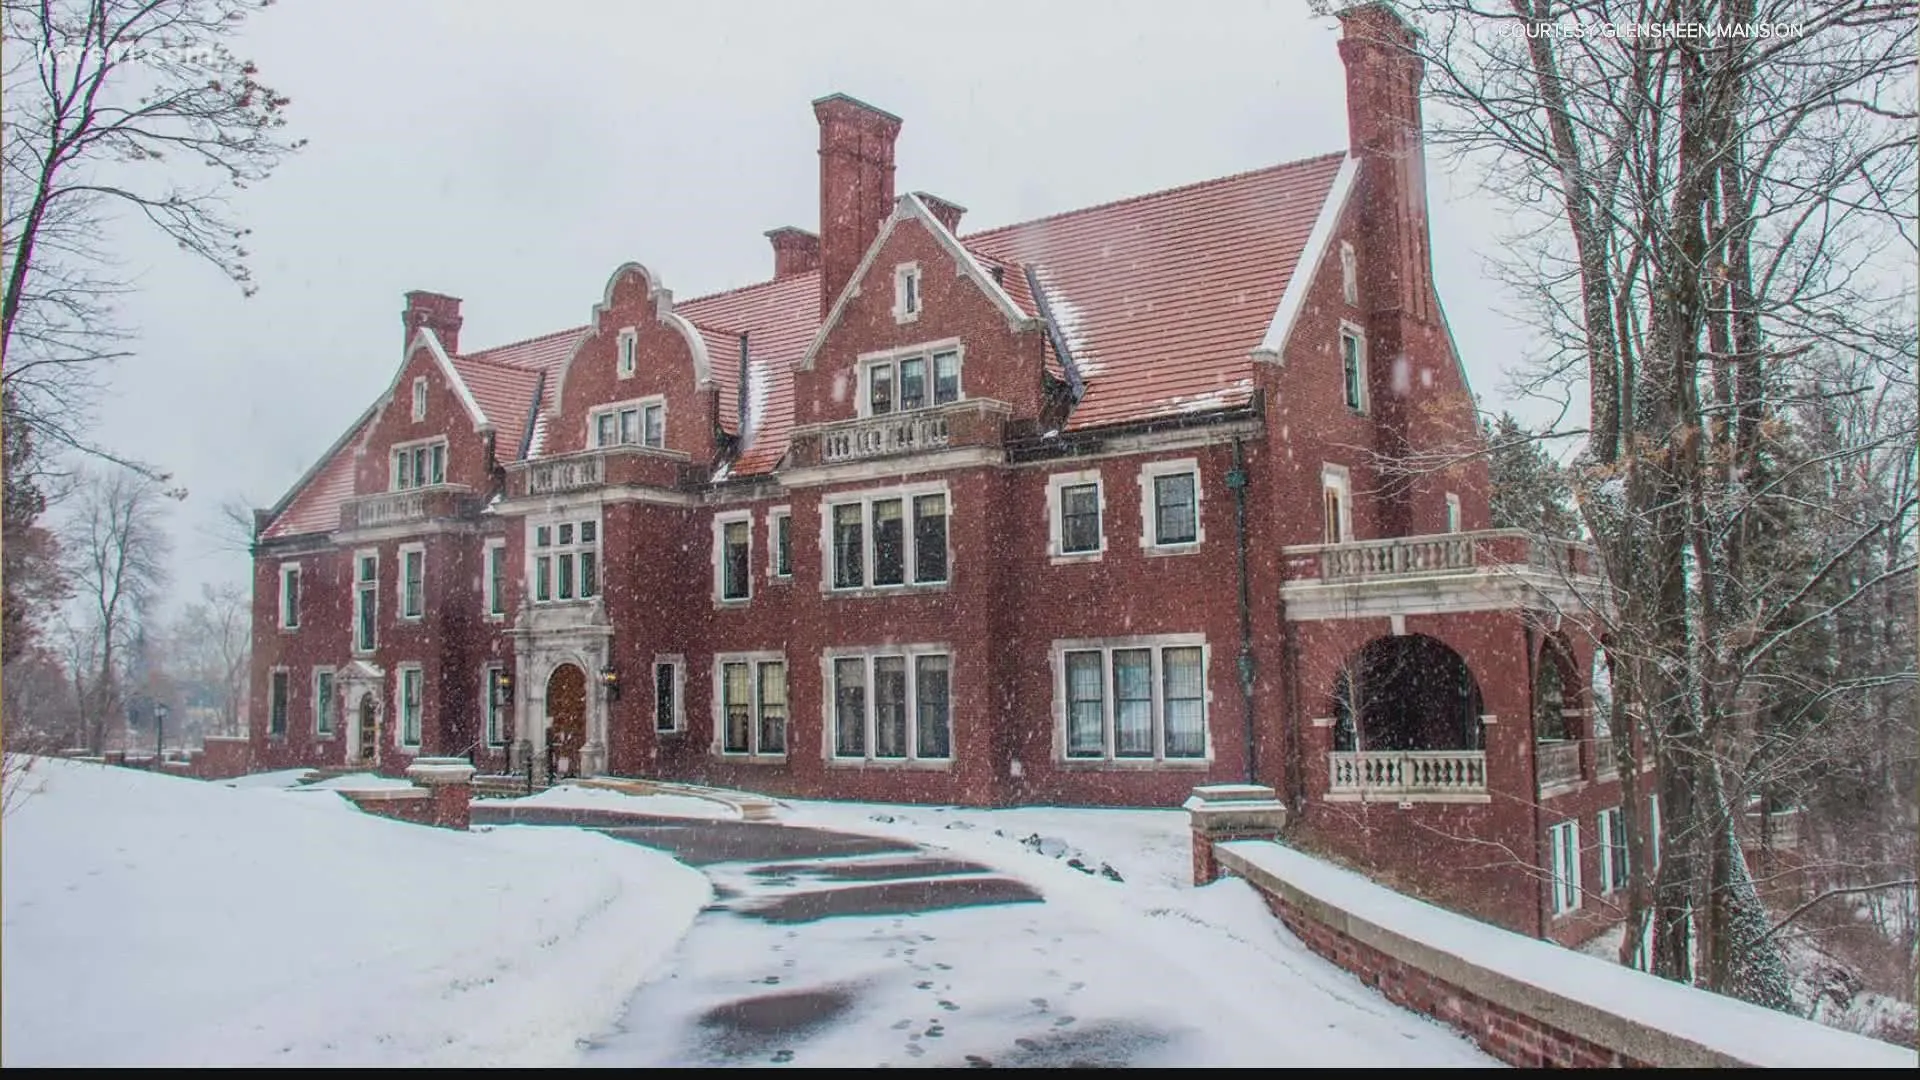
(1410,692)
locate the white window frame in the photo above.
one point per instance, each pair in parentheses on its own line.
(1056,523)
(493,711)
(1339,479)
(414,482)
(1359,336)
(285,675)
(907,494)
(911,654)
(678,663)
(1349,274)
(401,671)
(1608,824)
(1563,843)
(1150,473)
(891,359)
(400,584)
(319,701)
(627,360)
(575,548)
(289,612)
(909,294)
(775,516)
(1157,644)
(720,523)
(1453,512)
(365,592)
(419,398)
(1653,830)
(641,408)
(493,555)
(753,660)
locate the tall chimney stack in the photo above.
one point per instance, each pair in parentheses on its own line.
(795,251)
(1383,121)
(856,185)
(439,313)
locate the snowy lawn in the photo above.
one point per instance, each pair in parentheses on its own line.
(588,798)
(150,920)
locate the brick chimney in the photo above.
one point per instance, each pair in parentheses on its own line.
(1383,122)
(439,313)
(856,185)
(948,212)
(795,251)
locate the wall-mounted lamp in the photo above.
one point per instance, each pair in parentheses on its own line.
(503,687)
(610,679)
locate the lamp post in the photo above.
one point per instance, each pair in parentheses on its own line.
(159,735)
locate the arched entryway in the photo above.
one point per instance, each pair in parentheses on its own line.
(566,719)
(1409,692)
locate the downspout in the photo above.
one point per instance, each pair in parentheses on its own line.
(1237,482)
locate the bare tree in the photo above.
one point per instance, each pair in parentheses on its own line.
(119,547)
(114,109)
(213,641)
(1725,215)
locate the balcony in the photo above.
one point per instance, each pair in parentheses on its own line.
(1557,763)
(1487,570)
(584,470)
(974,423)
(389,508)
(1408,775)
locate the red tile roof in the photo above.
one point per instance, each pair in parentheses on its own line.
(1161,298)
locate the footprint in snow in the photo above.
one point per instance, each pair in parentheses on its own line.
(1072,986)
(781,1057)
(1065,1021)
(935,1031)
(943,967)
(923,984)
(1039,1003)
(948,1005)
(902,1025)
(916,1049)
(975,1061)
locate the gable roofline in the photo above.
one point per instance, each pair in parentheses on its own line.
(314,470)
(1274,344)
(662,300)
(910,206)
(425,338)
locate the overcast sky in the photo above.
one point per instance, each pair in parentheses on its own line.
(514,154)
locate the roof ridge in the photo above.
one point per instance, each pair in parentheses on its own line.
(677,301)
(475,358)
(476,354)
(1142,197)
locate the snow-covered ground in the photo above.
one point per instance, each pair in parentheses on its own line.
(151,920)
(589,798)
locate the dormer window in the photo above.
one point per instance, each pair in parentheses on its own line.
(630,423)
(420,398)
(906,293)
(914,380)
(419,465)
(629,348)
(1349,274)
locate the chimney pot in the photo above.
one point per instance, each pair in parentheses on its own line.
(437,312)
(795,251)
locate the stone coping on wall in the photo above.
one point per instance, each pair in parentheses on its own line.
(1634,1014)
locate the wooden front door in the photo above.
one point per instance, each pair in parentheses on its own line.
(369,729)
(566,719)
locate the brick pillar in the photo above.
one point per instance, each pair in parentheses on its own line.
(1221,812)
(451,781)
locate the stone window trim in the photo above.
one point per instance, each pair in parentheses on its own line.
(585,586)
(289,616)
(1157,644)
(419,398)
(643,409)
(1150,473)
(282,675)
(494,713)
(912,654)
(1336,517)
(1352,331)
(775,515)
(493,598)
(908,297)
(323,701)
(1563,880)
(907,494)
(867,362)
(1057,485)
(719,559)
(753,660)
(1349,274)
(626,358)
(366,593)
(402,586)
(412,479)
(400,673)
(678,662)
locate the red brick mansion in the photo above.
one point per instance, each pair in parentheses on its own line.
(1086,510)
